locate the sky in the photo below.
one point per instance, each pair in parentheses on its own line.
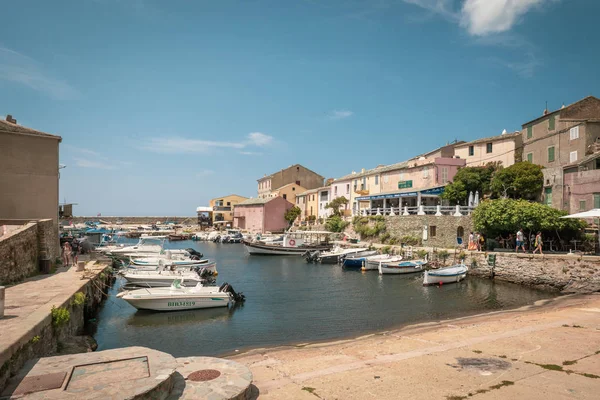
(163,105)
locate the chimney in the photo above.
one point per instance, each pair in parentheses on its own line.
(362,171)
(10,119)
(545,111)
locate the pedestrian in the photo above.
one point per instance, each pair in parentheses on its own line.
(472,246)
(520,242)
(481,242)
(75,252)
(67,250)
(538,243)
(476,239)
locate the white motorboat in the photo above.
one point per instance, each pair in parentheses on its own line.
(372,262)
(146,245)
(290,247)
(165,262)
(452,274)
(333,256)
(177,297)
(402,267)
(160,278)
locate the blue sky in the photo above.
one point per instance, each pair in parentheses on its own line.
(165,105)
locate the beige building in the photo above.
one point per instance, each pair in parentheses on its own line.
(28,172)
(222,209)
(288,192)
(505,148)
(296,173)
(561,141)
(308,202)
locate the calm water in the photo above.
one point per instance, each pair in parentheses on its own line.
(289,301)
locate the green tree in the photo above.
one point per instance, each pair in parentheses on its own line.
(336,204)
(335,223)
(503,216)
(521,180)
(470,179)
(291,214)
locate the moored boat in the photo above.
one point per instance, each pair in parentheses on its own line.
(177,297)
(401,267)
(291,246)
(333,256)
(374,261)
(456,273)
(357,260)
(161,278)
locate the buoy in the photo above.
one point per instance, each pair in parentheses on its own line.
(441,283)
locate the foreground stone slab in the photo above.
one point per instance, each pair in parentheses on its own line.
(208,378)
(132,372)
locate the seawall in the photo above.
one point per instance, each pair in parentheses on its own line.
(190,220)
(46,314)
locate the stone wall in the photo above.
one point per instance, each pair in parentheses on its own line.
(566,273)
(192,220)
(23,247)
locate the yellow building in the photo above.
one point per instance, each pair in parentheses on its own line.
(309,204)
(288,192)
(223,209)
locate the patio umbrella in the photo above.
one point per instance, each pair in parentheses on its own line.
(593,213)
(476,199)
(470,203)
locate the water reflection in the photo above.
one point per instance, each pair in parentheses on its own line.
(143,318)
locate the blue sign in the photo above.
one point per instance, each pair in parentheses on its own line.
(430,192)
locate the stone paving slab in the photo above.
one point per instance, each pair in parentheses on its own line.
(28,304)
(131,372)
(502,355)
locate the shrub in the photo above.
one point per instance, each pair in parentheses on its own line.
(35,339)
(386,249)
(421,253)
(410,240)
(443,255)
(393,241)
(462,256)
(60,316)
(78,299)
(335,224)
(384,238)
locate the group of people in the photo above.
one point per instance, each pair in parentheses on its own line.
(537,242)
(70,253)
(476,242)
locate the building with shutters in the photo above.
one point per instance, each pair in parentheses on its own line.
(566,142)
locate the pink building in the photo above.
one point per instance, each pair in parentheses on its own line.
(262,214)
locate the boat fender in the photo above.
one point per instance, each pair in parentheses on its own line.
(292,242)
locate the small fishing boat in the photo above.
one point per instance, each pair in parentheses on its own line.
(177,297)
(333,256)
(357,260)
(373,262)
(402,267)
(165,262)
(162,277)
(452,274)
(146,245)
(291,246)
(175,238)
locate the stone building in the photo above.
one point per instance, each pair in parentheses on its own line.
(296,173)
(505,148)
(28,173)
(565,143)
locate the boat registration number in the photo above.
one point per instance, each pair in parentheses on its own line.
(181,303)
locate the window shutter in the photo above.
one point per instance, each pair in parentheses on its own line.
(551,123)
(550,154)
(530,157)
(573,156)
(529,132)
(574,133)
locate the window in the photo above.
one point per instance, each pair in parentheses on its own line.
(444,174)
(377,179)
(364,183)
(548,196)
(335,190)
(425,172)
(313,197)
(488,148)
(529,132)
(596,200)
(530,157)
(432,230)
(550,154)
(285,196)
(573,156)
(386,179)
(574,133)
(401,176)
(355,184)
(582,205)
(551,123)
(293,189)
(347,188)
(471,150)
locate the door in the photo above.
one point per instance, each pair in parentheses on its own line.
(548,196)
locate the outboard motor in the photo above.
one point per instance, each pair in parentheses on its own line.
(237,297)
(194,254)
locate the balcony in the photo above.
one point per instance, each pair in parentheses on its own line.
(362,192)
(222,208)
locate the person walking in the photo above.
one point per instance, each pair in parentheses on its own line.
(481,242)
(67,250)
(477,245)
(520,242)
(538,243)
(472,245)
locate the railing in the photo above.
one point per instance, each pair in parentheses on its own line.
(457,211)
(222,208)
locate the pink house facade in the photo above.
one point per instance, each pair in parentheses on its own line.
(262,215)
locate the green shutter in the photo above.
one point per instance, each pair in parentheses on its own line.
(596,200)
(551,123)
(530,157)
(529,132)
(550,154)
(548,196)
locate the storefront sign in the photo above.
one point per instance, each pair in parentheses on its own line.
(404,184)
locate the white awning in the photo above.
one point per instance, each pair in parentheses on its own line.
(204,209)
(593,213)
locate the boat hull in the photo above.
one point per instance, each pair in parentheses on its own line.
(445,275)
(160,281)
(178,303)
(274,250)
(354,263)
(399,269)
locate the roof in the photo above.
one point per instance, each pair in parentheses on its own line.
(283,169)
(289,184)
(561,109)
(456,143)
(256,201)
(229,195)
(9,127)
(204,209)
(491,139)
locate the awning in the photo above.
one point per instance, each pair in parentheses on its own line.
(204,209)
(394,195)
(593,213)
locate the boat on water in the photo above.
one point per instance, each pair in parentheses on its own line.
(401,267)
(333,256)
(163,277)
(456,273)
(165,262)
(177,297)
(293,245)
(357,260)
(146,245)
(373,262)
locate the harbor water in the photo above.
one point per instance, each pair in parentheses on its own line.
(290,302)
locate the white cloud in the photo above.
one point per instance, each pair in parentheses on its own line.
(484,17)
(18,68)
(259,139)
(86,163)
(340,114)
(175,145)
(251,153)
(443,7)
